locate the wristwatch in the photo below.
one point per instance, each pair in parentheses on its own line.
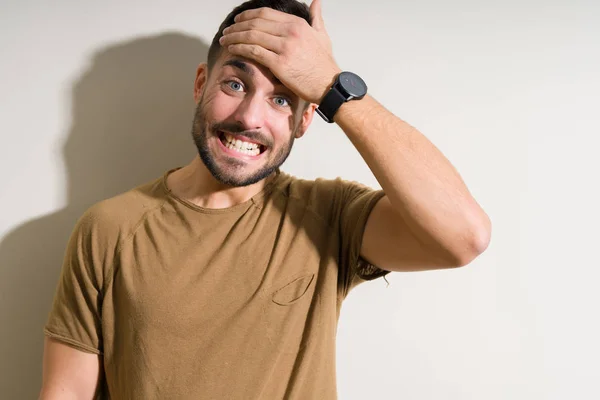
(347,86)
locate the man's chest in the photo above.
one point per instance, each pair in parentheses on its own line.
(268,281)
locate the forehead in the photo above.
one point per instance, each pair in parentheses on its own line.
(246,66)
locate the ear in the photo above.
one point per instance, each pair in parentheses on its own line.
(201,78)
(307,117)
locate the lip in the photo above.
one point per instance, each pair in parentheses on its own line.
(237,154)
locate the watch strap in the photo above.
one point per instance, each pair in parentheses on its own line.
(332,101)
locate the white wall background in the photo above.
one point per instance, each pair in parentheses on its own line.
(96,98)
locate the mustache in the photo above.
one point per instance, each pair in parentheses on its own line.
(238,130)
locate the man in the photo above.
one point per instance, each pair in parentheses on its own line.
(224,279)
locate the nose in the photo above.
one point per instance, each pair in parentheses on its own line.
(251,112)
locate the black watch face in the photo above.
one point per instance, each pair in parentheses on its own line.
(353,84)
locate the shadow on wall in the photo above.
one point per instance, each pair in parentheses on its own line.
(132,118)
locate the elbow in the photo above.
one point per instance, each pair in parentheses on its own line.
(478,242)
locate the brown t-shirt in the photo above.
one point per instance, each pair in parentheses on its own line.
(184,302)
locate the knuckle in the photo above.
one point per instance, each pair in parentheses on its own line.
(251,36)
(294,30)
(263,12)
(255,51)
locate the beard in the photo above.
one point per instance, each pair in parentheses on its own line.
(231,171)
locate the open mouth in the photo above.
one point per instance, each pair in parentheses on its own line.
(241,146)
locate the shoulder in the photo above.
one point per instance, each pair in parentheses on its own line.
(111,220)
(323,196)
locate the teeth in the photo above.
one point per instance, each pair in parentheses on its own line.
(241,146)
(254,152)
(251,149)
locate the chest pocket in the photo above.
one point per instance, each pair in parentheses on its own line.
(291,312)
(293,291)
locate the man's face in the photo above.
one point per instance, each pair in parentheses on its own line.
(246,121)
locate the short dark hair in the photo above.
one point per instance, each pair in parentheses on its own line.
(293,7)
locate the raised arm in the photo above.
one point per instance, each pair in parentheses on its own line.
(428,218)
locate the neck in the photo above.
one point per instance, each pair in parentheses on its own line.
(195,183)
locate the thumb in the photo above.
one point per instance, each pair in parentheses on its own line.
(316,16)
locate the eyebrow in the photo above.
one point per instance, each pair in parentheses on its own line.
(245,68)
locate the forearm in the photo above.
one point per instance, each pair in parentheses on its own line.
(420,182)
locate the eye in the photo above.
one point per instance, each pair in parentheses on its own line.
(235,86)
(282,101)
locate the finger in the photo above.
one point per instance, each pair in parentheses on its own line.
(316,15)
(258,24)
(256,53)
(265,13)
(265,40)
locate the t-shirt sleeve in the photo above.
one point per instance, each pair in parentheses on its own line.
(75,317)
(355,204)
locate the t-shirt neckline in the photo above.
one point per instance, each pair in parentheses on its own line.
(257,199)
